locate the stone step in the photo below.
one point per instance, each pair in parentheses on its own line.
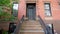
(31,33)
(31,27)
(29,23)
(25,18)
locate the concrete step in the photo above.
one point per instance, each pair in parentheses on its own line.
(30,23)
(31,33)
(26,18)
(32,27)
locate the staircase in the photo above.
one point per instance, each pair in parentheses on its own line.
(37,26)
(31,27)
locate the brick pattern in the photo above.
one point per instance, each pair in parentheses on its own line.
(55,10)
(40,8)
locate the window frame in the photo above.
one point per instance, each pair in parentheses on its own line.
(14,9)
(47,9)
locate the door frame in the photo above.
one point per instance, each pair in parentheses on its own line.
(26,8)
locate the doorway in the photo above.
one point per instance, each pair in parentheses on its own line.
(31,11)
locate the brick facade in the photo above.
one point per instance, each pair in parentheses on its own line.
(40,8)
(55,10)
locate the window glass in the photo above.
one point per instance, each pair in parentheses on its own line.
(15,9)
(47,9)
(47,6)
(15,6)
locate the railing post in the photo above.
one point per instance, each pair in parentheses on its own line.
(52,29)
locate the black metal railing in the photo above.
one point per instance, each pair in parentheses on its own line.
(47,29)
(16,31)
(52,29)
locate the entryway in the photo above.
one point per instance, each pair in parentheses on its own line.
(31,11)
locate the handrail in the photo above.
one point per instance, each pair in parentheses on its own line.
(42,23)
(46,28)
(18,25)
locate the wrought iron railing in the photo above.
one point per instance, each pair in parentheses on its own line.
(47,29)
(16,31)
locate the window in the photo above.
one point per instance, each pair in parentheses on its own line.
(47,9)
(15,9)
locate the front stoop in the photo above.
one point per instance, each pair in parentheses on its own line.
(31,27)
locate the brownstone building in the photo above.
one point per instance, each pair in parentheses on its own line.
(47,10)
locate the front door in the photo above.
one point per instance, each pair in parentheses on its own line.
(31,11)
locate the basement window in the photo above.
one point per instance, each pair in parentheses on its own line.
(47,9)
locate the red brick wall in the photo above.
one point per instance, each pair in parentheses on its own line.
(55,10)
(40,8)
(22,9)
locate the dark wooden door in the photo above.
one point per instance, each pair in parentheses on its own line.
(31,11)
